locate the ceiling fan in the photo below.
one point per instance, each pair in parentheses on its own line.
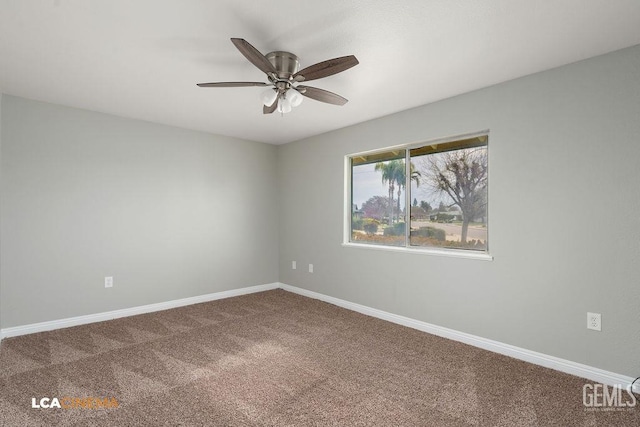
(282,70)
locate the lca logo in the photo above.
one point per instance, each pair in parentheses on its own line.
(73,403)
(601,397)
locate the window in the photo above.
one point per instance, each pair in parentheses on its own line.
(442,185)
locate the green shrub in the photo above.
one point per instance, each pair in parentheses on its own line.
(443,217)
(357,223)
(370,226)
(395,229)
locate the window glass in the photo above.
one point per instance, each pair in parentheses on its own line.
(378,202)
(449,202)
(447,198)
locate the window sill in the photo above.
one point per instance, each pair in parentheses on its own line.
(453,253)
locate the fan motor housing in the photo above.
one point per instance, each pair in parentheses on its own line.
(286,63)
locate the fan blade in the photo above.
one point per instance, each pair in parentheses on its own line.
(254,56)
(326,68)
(232,84)
(321,95)
(270,109)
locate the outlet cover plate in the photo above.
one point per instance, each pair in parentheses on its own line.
(594,321)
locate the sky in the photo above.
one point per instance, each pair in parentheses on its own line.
(367,182)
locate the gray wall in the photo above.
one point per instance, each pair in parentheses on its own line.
(563,215)
(169,213)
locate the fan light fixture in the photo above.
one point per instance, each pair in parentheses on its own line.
(284,105)
(269,96)
(295,97)
(286,101)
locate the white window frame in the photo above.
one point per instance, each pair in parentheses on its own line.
(420,250)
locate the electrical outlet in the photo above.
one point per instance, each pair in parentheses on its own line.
(310,268)
(594,321)
(108,282)
(293,265)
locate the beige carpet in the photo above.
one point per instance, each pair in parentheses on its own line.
(279,359)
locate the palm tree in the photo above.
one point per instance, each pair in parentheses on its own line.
(389,173)
(401,179)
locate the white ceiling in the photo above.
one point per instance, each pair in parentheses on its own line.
(142,58)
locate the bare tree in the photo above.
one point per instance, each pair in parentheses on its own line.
(461,175)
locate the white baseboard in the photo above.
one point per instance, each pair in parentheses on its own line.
(115,314)
(562,365)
